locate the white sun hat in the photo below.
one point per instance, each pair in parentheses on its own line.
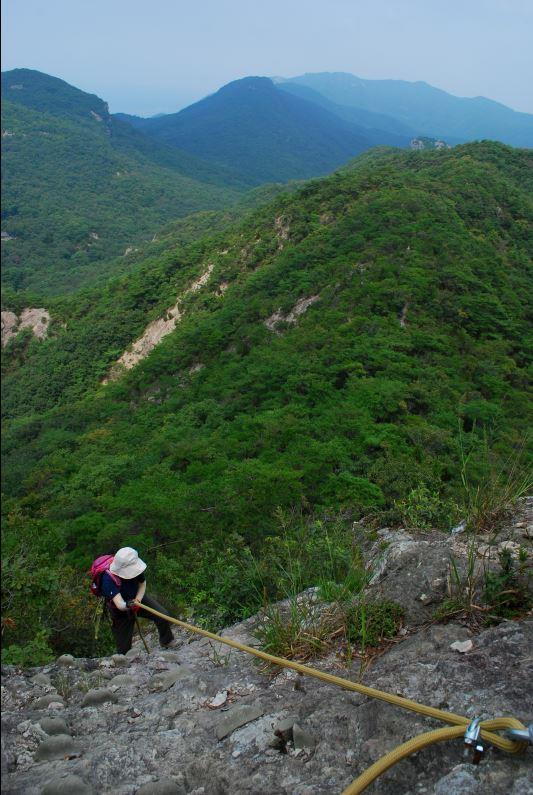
(127,564)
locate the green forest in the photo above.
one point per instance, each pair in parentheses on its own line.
(80,187)
(414,271)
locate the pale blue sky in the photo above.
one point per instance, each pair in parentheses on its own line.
(149,57)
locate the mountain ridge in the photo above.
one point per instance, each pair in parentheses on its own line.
(267,134)
(429,110)
(80,187)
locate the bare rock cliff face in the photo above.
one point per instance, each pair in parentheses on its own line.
(36,319)
(200,719)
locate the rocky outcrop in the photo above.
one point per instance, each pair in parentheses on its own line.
(36,319)
(120,731)
(156,331)
(301,306)
(203,718)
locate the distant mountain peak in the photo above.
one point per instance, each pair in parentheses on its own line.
(48,94)
(251,83)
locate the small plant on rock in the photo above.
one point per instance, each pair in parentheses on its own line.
(463,587)
(492,487)
(506,591)
(370,623)
(421,508)
(301,630)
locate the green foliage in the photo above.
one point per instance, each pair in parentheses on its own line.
(507,591)
(492,485)
(218,584)
(421,508)
(370,623)
(484,593)
(35,652)
(344,410)
(265,133)
(80,187)
(299,630)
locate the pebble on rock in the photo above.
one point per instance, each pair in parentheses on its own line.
(122,680)
(283,728)
(94,697)
(66,661)
(302,739)
(44,701)
(220,699)
(119,660)
(54,726)
(164,681)
(41,679)
(55,747)
(462,646)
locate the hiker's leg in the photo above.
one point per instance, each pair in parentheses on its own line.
(163,627)
(122,627)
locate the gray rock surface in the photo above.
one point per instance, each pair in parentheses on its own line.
(235,718)
(67,785)
(161,787)
(140,739)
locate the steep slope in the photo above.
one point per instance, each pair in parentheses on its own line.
(79,186)
(347,344)
(215,717)
(428,110)
(265,133)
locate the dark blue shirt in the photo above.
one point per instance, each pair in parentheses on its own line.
(127,588)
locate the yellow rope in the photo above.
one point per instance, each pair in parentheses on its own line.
(459,722)
(417,744)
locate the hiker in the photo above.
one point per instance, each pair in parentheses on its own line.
(124,586)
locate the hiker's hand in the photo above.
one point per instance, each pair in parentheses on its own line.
(133,606)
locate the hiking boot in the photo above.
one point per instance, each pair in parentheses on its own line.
(173,644)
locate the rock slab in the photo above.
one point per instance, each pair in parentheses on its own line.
(236,717)
(67,785)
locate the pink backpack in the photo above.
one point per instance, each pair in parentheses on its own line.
(101,566)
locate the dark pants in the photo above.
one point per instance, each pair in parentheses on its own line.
(124,624)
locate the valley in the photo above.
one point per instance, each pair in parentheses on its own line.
(267,490)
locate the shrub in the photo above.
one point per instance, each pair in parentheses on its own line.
(369,623)
(421,508)
(33,653)
(506,591)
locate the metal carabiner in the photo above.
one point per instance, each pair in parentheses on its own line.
(521,735)
(472,741)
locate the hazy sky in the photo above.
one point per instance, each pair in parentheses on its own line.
(150,56)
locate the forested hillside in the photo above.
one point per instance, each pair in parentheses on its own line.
(80,187)
(267,134)
(350,342)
